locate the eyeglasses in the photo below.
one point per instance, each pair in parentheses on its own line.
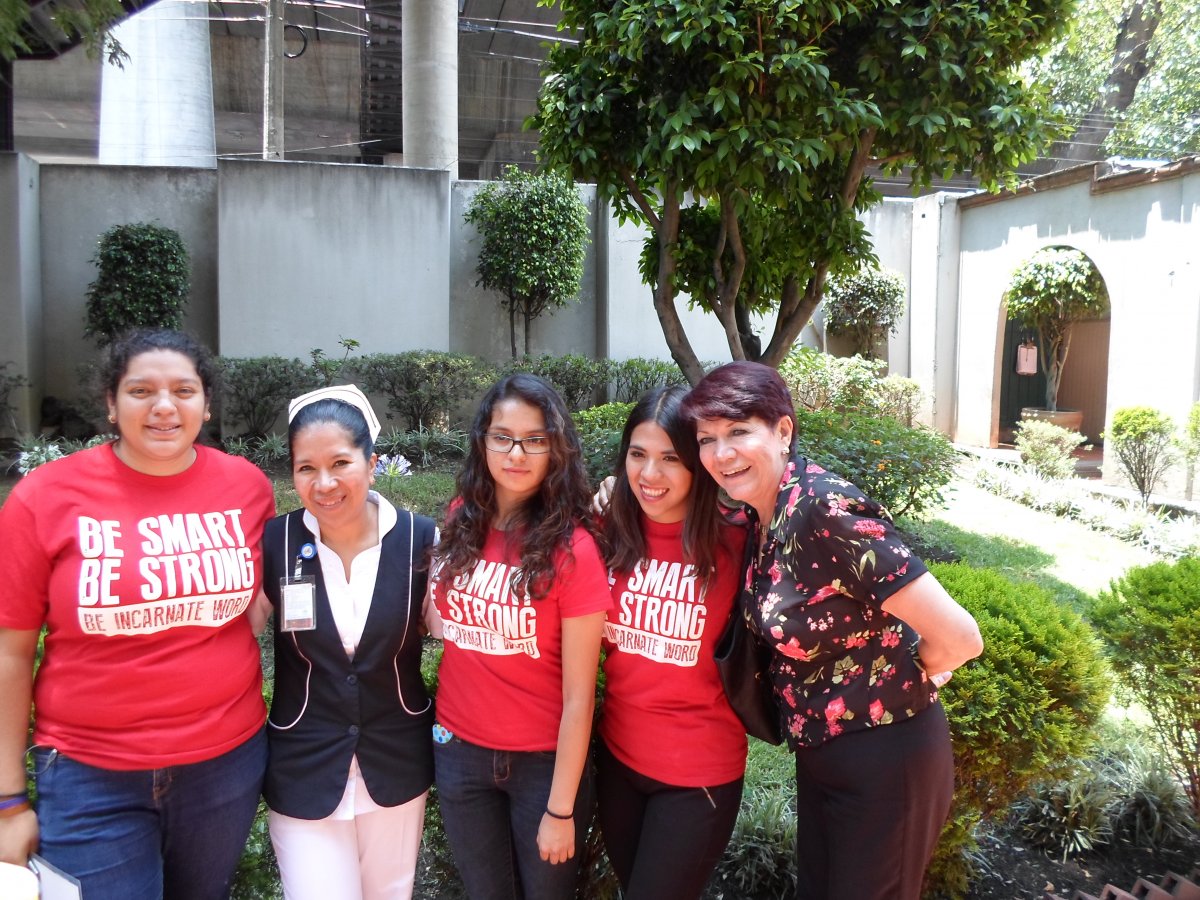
(503,443)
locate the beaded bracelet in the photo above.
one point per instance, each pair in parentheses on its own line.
(555,815)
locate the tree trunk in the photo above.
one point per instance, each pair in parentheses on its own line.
(6,105)
(528,319)
(1129,67)
(751,344)
(667,231)
(512,327)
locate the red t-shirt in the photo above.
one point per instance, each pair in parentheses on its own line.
(665,714)
(500,681)
(142,582)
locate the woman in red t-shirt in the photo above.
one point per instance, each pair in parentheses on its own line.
(672,752)
(521,590)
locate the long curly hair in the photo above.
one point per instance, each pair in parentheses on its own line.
(624,540)
(544,524)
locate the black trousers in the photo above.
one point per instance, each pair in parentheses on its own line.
(870,806)
(663,840)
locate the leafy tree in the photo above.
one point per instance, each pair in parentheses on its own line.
(1140,436)
(1049,293)
(142,280)
(1150,622)
(88,21)
(1126,73)
(770,112)
(865,307)
(534,229)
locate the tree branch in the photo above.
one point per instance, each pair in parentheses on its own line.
(640,199)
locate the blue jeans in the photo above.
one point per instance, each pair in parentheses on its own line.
(492,802)
(176,832)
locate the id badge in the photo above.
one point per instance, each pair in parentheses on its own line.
(298,603)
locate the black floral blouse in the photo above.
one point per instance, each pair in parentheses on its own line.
(814,596)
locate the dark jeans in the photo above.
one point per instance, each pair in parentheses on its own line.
(869,808)
(663,840)
(492,802)
(174,833)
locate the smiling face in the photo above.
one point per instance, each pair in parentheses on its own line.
(159,407)
(746,457)
(518,475)
(660,481)
(331,475)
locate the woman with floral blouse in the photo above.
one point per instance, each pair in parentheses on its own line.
(863,635)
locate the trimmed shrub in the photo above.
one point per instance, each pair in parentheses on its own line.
(142,281)
(600,434)
(576,377)
(256,390)
(630,378)
(903,468)
(1141,438)
(1046,448)
(1019,714)
(1150,624)
(424,387)
(818,381)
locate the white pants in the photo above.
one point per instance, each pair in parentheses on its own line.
(370,857)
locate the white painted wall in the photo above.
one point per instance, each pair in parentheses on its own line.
(311,253)
(1142,239)
(20,283)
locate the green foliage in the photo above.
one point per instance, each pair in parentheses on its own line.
(1141,437)
(326,370)
(903,468)
(268,451)
(1050,292)
(426,493)
(576,377)
(1189,445)
(425,446)
(424,387)
(1150,624)
(142,281)
(759,862)
(630,378)
(257,875)
(534,229)
(256,390)
(9,384)
(772,112)
(1123,794)
(89,20)
(600,434)
(865,306)
(819,381)
(1046,448)
(1160,121)
(1020,713)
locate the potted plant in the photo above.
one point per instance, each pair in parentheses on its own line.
(1049,293)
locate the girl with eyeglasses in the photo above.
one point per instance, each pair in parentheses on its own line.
(522,592)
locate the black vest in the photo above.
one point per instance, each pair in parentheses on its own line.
(327,707)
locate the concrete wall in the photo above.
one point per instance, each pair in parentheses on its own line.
(80,203)
(20,285)
(1142,239)
(312,253)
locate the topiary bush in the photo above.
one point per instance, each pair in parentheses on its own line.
(424,387)
(903,468)
(600,434)
(630,378)
(142,281)
(1141,437)
(1019,714)
(1150,624)
(1046,448)
(865,307)
(577,378)
(256,390)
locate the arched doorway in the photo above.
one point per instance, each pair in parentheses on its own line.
(1083,382)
